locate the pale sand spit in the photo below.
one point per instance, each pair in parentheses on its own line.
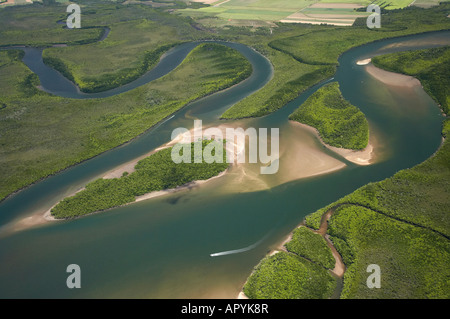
(391,78)
(363,157)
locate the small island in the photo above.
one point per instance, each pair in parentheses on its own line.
(154,173)
(339,125)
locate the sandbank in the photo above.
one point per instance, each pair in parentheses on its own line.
(363,157)
(391,78)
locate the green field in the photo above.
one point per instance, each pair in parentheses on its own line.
(339,123)
(247,12)
(265,10)
(427,3)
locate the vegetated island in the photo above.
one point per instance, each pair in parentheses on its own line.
(154,173)
(400,223)
(341,126)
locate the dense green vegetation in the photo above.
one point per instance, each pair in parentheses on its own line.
(284,94)
(41,134)
(287,276)
(339,123)
(430,66)
(154,173)
(312,246)
(413,260)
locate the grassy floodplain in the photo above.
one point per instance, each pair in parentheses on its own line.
(21,26)
(104,65)
(154,173)
(339,123)
(41,134)
(138,37)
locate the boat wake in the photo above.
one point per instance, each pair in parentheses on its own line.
(240,250)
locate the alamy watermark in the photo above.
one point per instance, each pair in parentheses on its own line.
(374,20)
(235,146)
(374,279)
(74,19)
(74,279)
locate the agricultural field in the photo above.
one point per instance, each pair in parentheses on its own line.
(427,3)
(247,11)
(253,13)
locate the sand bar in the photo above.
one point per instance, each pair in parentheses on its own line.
(391,78)
(363,157)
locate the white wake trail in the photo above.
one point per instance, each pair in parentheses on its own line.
(240,250)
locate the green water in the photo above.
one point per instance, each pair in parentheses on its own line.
(160,248)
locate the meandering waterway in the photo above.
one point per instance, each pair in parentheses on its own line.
(172,246)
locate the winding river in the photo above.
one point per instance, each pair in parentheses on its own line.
(172,246)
